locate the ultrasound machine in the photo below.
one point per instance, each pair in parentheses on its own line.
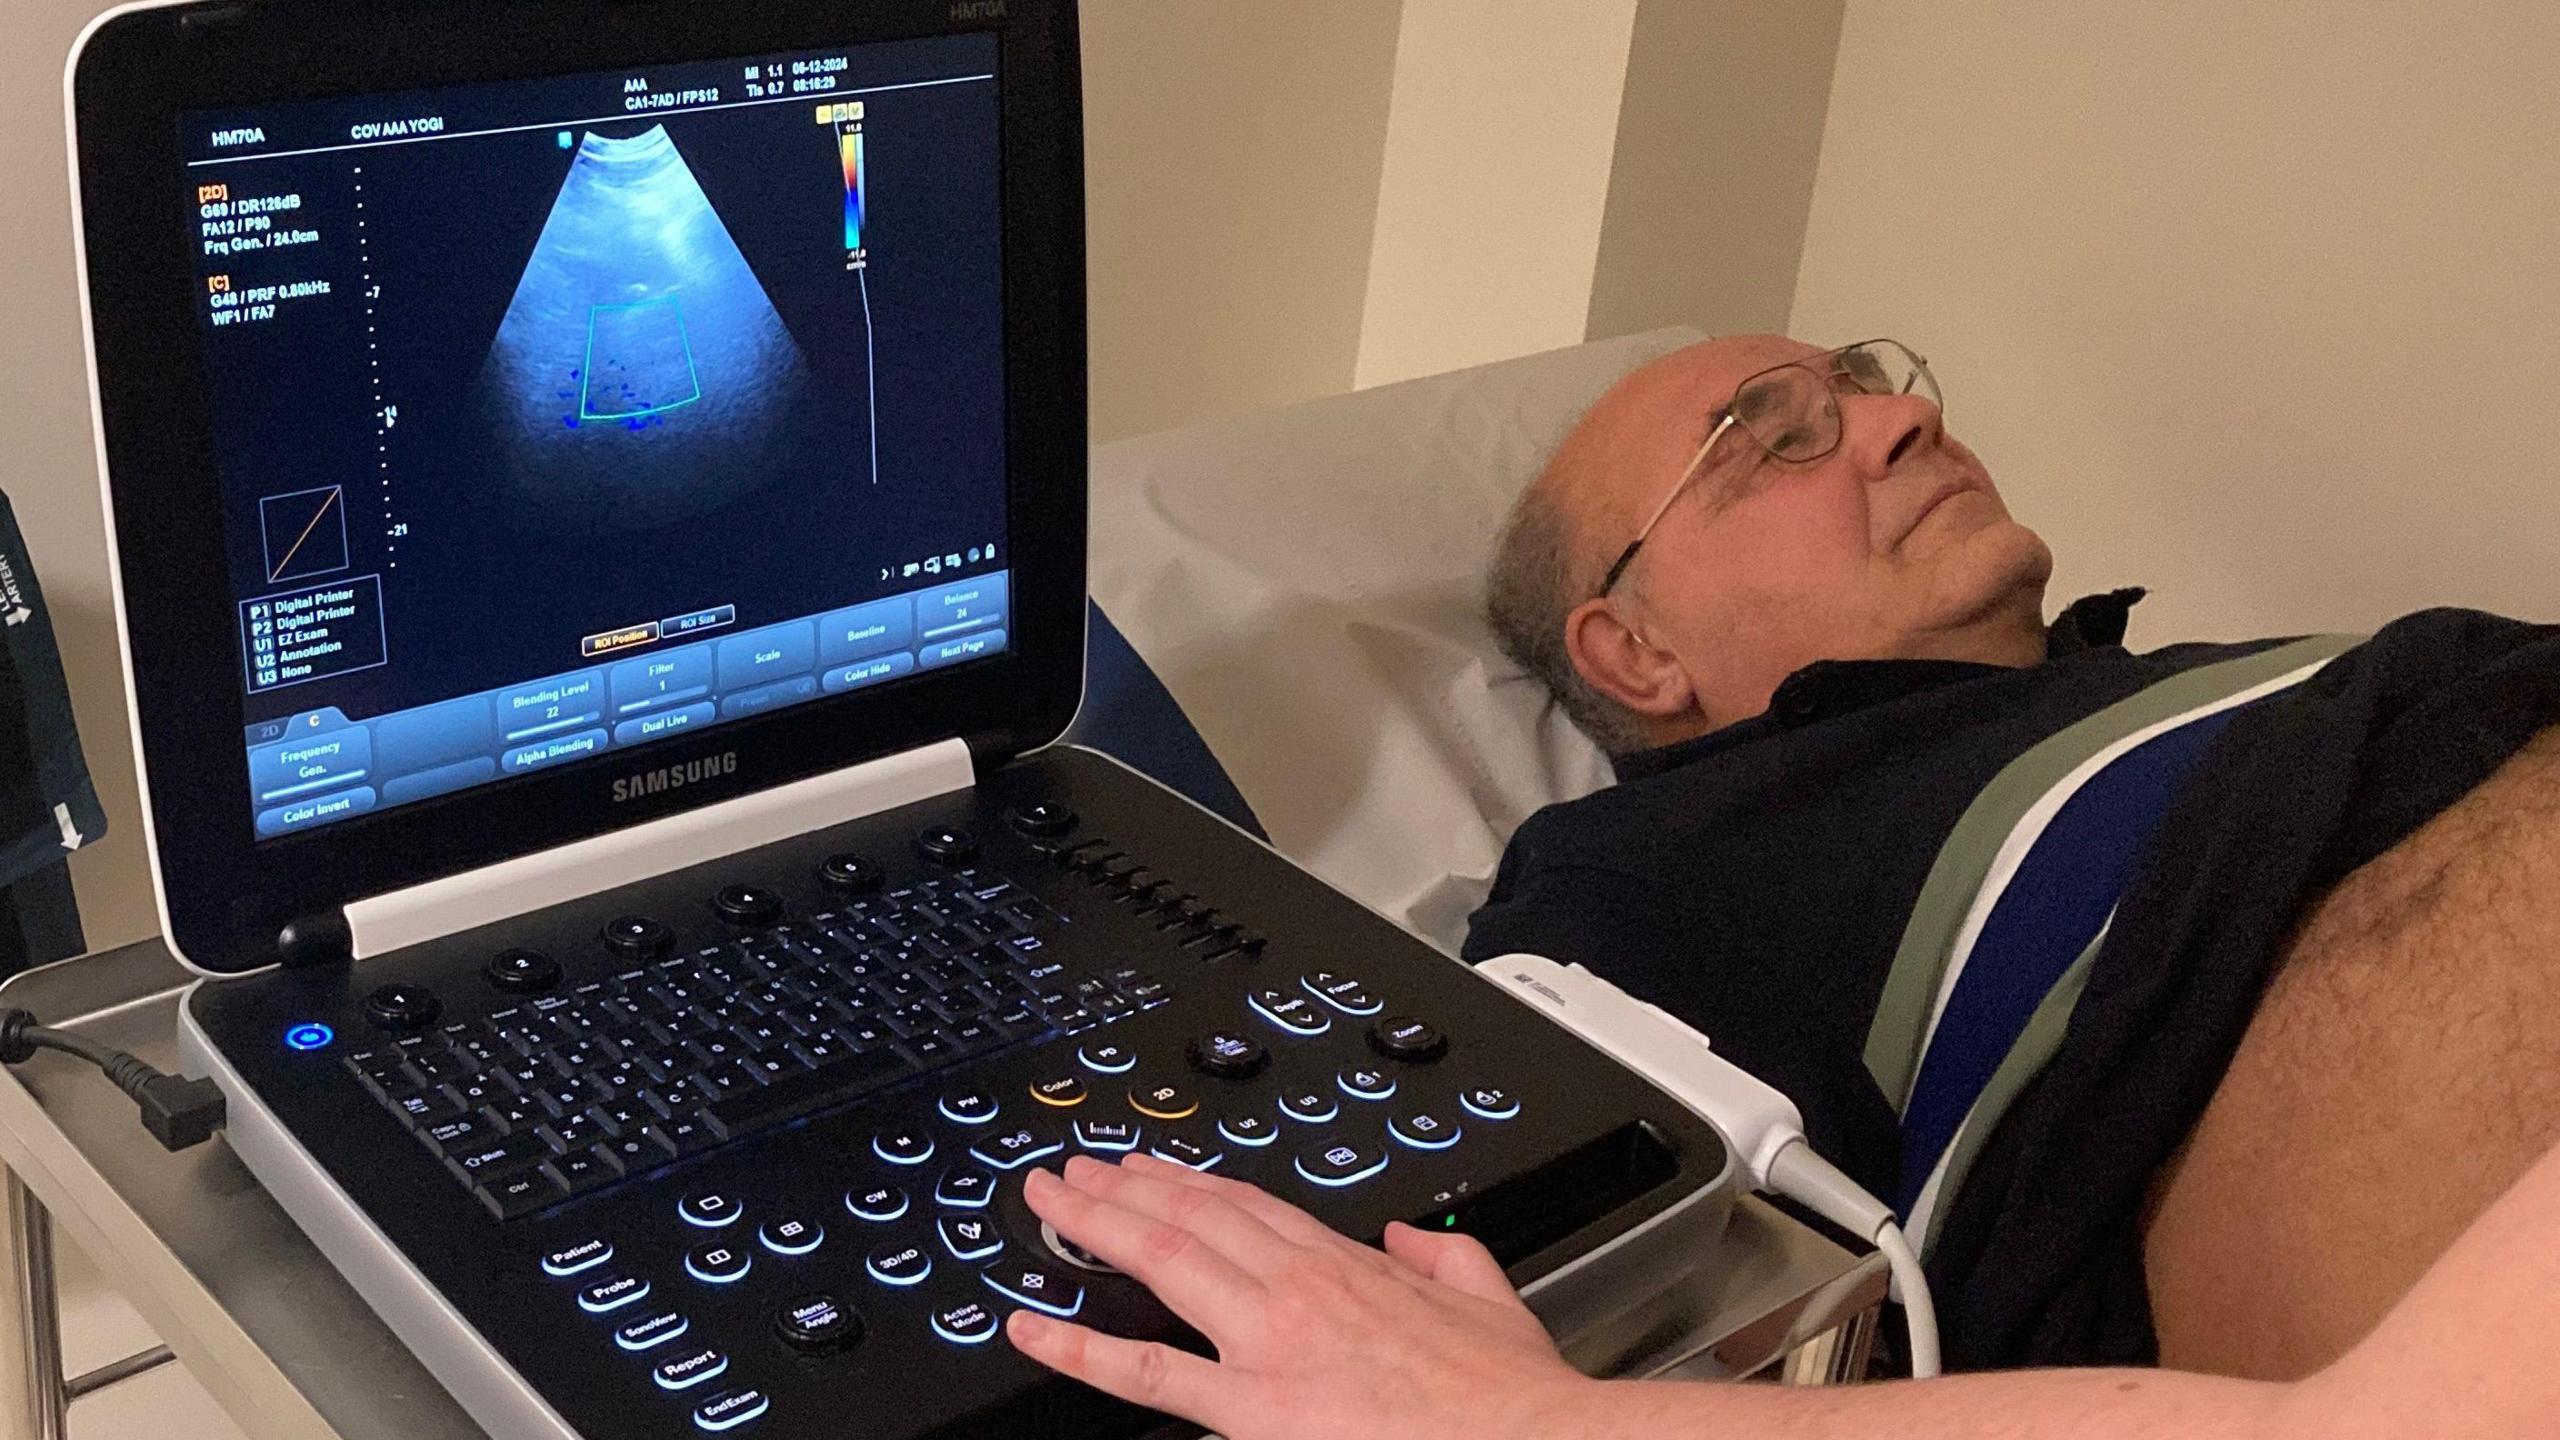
(597,496)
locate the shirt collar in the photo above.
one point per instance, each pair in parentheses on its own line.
(1828,689)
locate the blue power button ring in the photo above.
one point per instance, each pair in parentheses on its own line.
(309,1037)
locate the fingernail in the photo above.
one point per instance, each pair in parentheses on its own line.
(1036,1179)
(1027,1326)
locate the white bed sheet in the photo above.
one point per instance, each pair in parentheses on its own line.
(1307,583)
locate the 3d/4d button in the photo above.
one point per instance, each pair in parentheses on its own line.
(1341,1162)
(900,1263)
(1037,1286)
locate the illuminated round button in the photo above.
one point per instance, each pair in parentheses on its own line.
(904,1262)
(792,1236)
(969,1107)
(1489,1102)
(849,873)
(880,1204)
(1424,1129)
(1061,1091)
(747,905)
(903,1147)
(1365,1082)
(637,937)
(312,1036)
(1309,1104)
(711,1209)
(1250,1129)
(717,1262)
(967,1323)
(1108,1057)
(1163,1102)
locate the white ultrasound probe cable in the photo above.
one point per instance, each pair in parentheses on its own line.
(1763,1127)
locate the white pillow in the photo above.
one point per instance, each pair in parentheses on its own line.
(1308,584)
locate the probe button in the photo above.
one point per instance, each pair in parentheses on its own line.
(1229,1055)
(637,937)
(1401,1037)
(750,905)
(1042,817)
(403,1007)
(850,873)
(947,845)
(522,971)
(817,1325)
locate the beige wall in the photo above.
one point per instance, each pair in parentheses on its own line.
(1713,169)
(2251,303)
(1232,157)
(1495,182)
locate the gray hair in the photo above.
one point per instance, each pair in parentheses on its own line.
(1533,586)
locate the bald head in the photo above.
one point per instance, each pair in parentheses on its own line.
(1895,544)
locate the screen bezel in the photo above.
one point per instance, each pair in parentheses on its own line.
(225,895)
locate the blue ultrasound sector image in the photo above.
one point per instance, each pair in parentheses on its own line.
(641,368)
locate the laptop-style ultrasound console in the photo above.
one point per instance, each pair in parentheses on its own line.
(597,496)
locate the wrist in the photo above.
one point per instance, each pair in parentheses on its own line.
(1565,1406)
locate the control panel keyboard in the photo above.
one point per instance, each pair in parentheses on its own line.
(741,1148)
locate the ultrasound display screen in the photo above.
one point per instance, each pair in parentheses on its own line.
(556,417)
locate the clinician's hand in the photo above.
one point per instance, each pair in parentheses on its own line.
(1317,1337)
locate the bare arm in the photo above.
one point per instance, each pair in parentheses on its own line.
(1318,1337)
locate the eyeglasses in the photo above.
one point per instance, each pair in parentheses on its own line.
(1792,412)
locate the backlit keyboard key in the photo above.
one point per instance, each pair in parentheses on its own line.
(651,1330)
(1019,1146)
(969,1323)
(583,1256)
(878,1204)
(609,1295)
(690,1369)
(730,1409)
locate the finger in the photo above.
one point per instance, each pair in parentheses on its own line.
(1458,1261)
(1158,1377)
(1284,1219)
(1221,1214)
(1207,1289)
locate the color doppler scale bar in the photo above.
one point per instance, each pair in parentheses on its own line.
(319,766)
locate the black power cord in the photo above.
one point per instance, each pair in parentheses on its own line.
(177,1111)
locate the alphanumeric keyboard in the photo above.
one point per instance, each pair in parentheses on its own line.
(532,1103)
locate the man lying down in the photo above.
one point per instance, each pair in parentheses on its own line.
(2190,1005)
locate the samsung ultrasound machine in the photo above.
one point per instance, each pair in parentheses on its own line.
(597,496)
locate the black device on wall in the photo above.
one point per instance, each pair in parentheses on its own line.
(598,491)
(48,808)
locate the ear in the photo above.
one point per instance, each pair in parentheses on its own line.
(1614,660)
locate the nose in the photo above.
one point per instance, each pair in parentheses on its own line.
(1877,431)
